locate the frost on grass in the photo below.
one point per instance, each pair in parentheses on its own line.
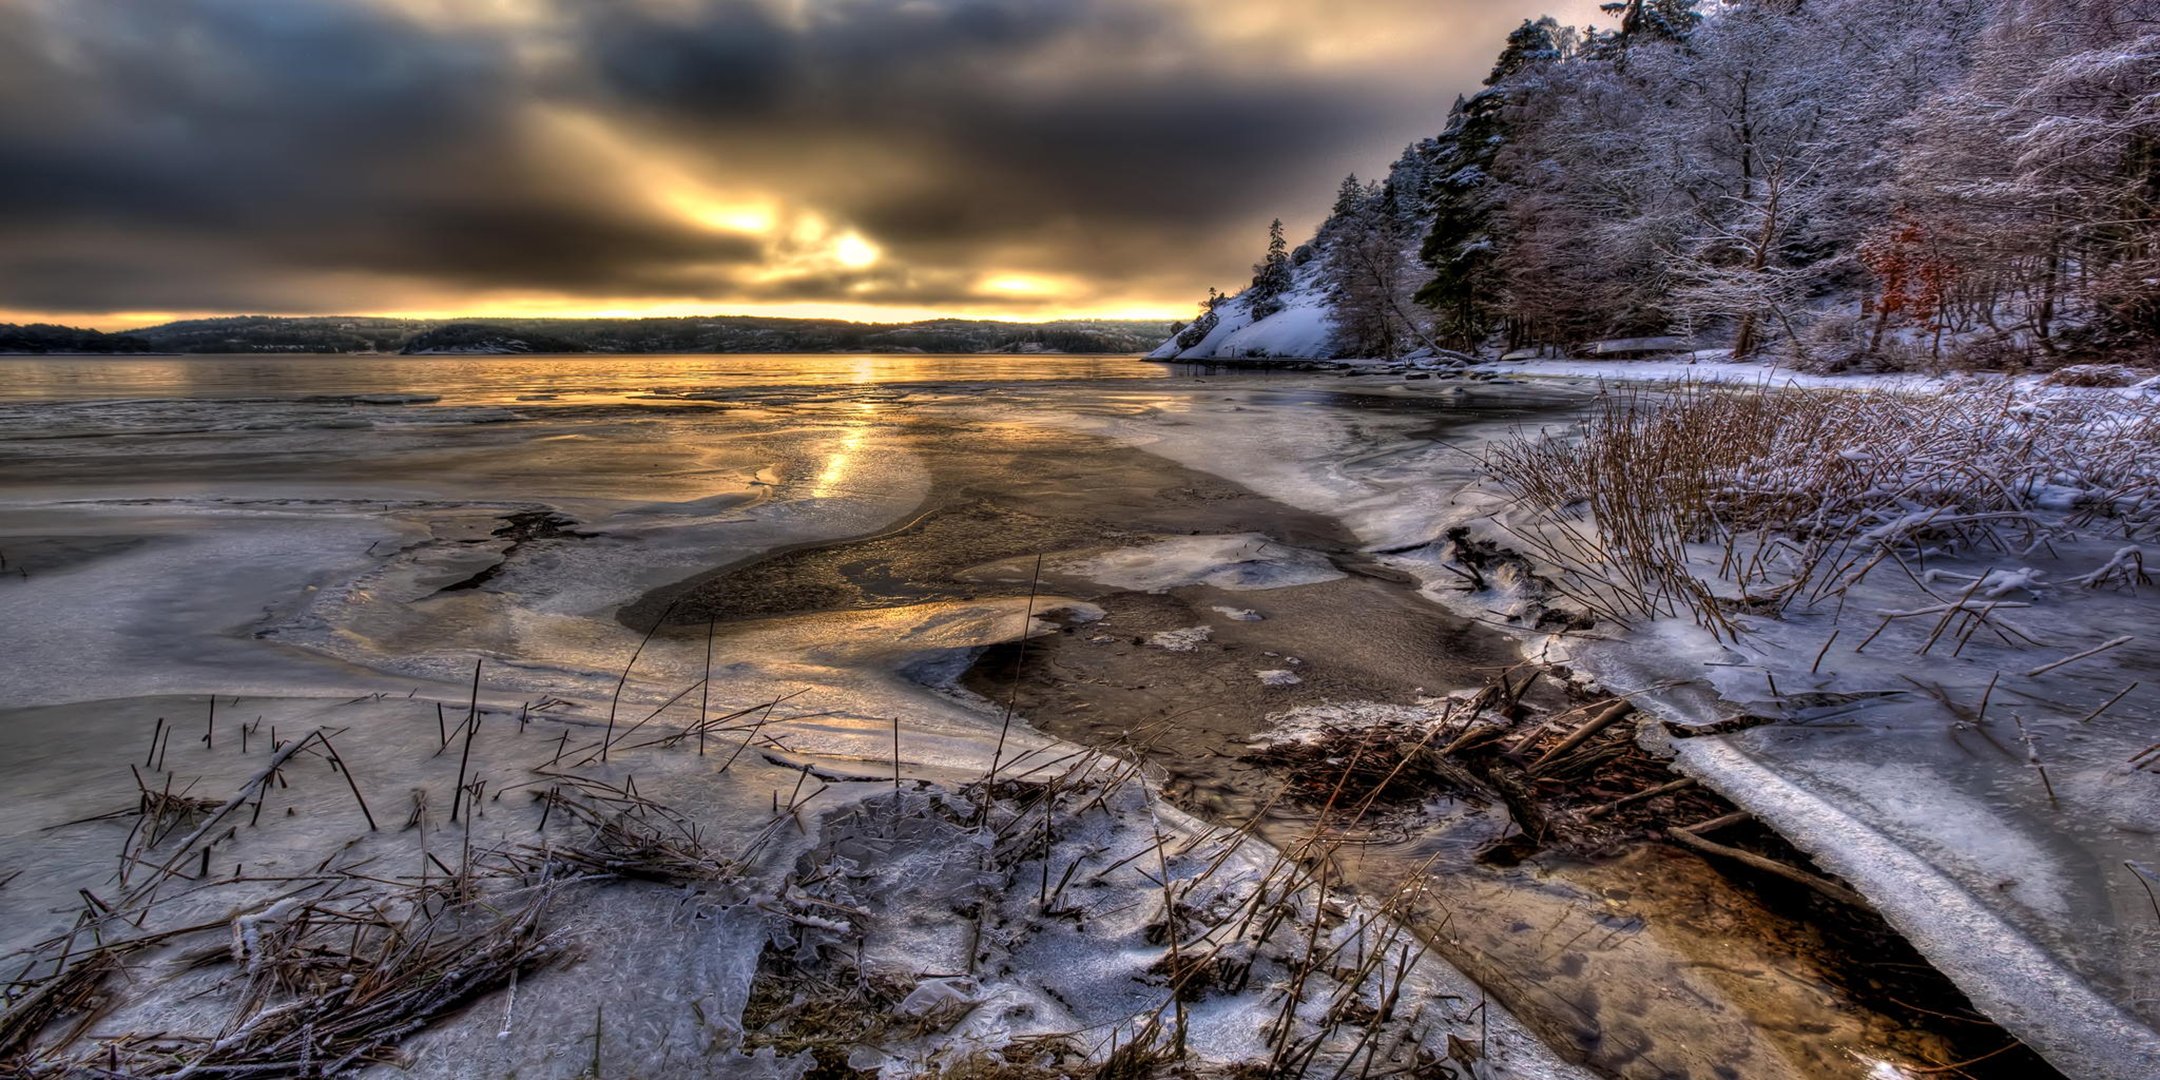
(1065,924)
(535,911)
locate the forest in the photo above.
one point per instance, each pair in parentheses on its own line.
(1838,184)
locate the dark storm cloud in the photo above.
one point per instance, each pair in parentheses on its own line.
(268,139)
(352,154)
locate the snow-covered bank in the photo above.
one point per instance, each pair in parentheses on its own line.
(1944,823)
(1942,688)
(1301,330)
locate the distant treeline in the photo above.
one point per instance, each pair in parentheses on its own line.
(730,334)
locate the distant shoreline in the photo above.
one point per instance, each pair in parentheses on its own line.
(733,334)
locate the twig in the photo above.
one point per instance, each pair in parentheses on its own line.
(1580,735)
(2094,651)
(2095,714)
(350,781)
(1681,784)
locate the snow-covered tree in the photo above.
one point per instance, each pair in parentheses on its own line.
(1372,277)
(2045,164)
(1272,275)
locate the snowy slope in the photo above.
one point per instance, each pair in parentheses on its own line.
(1299,331)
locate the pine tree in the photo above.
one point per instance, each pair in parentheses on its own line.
(1655,20)
(1272,276)
(1348,197)
(1460,247)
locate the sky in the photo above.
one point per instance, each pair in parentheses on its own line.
(873,159)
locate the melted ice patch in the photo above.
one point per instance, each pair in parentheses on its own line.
(1185,640)
(1241,562)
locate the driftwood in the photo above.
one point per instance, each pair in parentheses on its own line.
(1688,838)
(1519,791)
(1606,718)
(1645,795)
(1727,726)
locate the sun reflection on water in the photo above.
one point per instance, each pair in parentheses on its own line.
(841,464)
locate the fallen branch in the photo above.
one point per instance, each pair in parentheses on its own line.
(1769,866)
(1611,714)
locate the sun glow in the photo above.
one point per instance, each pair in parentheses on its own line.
(855,252)
(753,218)
(1022,285)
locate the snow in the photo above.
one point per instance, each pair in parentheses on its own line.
(284,585)
(1301,330)
(1188,639)
(2010,881)
(1278,677)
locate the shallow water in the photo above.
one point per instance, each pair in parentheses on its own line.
(498,379)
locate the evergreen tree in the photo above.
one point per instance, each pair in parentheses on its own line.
(1348,197)
(1460,247)
(1656,20)
(1272,276)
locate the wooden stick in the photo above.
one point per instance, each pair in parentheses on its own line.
(2095,714)
(1581,735)
(616,699)
(1012,701)
(705,694)
(1825,651)
(457,796)
(1681,784)
(339,761)
(1716,823)
(260,780)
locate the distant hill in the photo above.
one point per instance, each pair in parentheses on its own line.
(719,334)
(47,338)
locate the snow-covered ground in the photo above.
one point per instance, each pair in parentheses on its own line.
(1299,331)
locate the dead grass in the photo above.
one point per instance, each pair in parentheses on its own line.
(1706,500)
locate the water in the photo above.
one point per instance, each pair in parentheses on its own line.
(502,379)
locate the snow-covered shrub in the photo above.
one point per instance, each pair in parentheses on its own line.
(1201,327)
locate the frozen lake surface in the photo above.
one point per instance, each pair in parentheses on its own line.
(293,545)
(305,530)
